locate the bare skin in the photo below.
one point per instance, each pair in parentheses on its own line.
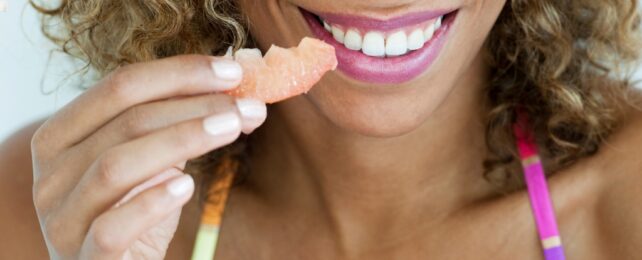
(91,201)
(594,199)
(371,174)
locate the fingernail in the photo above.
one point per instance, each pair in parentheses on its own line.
(181,185)
(253,112)
(222,124)
(226,69)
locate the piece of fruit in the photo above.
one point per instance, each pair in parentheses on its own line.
(283,73)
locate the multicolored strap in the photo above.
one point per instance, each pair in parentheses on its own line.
(209,229)
(538,190)
(208,233)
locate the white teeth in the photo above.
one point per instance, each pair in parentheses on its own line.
(338,34)
(397,44)
(327,26)
(353,40)
(416,40)
(374,44)
(380,44)
(428,33)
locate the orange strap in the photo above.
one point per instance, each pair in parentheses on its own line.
(218,192)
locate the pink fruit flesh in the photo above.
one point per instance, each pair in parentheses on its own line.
(283,73)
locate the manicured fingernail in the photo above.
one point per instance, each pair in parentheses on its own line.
(228,70)
(180,186)
(222,124)
(253,112)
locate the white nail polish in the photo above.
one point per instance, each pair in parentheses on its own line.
(180,186)
(226,69)
(253,112)
(222,124)
(251,108)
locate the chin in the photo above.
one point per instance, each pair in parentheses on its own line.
(376,111)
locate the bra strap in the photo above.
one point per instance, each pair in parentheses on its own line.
(537,187)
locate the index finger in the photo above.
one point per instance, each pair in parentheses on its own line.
(134,84)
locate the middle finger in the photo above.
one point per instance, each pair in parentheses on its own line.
(150,117)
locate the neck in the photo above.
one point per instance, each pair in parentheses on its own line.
(363,187)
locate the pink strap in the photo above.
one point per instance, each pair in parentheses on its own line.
(537,189)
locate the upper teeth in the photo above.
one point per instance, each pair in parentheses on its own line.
(378,44)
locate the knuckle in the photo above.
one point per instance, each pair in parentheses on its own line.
(134,122)
(42,194)
(108,168)
(39,139)
(117,83)
(103,237)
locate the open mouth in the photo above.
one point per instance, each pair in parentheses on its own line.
(383,51)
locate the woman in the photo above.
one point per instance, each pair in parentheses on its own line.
(407,151)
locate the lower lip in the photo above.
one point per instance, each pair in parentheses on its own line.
(389,70)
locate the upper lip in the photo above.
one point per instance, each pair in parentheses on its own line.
(368,23)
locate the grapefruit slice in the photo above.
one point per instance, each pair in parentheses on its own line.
(283,73)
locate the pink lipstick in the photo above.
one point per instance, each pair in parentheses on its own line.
(383,51)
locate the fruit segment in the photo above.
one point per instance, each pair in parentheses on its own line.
(283,73)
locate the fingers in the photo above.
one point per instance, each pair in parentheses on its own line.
(112,233)
(144,119)
(156,180)
(123,167)
(133,84)
(65,234)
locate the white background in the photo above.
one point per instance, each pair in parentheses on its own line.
(24,54)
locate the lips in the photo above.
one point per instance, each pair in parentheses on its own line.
(383,51)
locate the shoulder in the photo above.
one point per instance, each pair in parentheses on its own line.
(620,156)
(20,237)
(618,165)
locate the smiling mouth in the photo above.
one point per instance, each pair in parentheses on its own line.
(383,39)
(383,51)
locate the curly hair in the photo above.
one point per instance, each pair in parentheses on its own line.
(566,63)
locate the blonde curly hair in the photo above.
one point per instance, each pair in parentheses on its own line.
(566,63)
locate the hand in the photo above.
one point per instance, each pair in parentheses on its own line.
(108,180)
